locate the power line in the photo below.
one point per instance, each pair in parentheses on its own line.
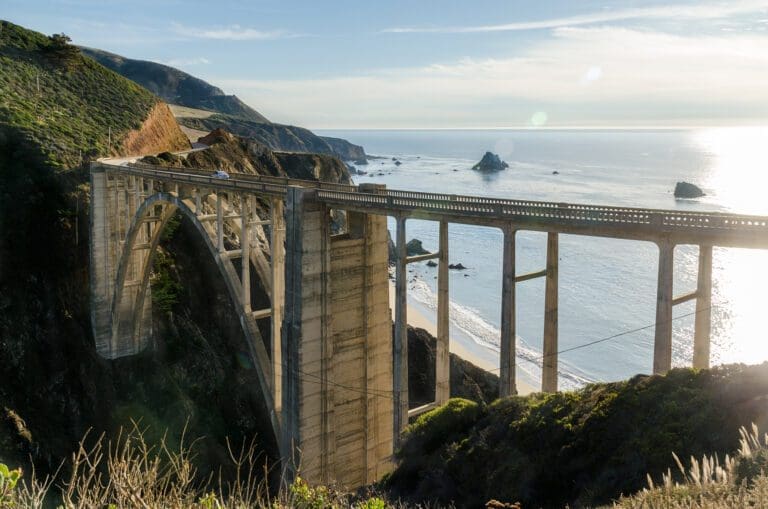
(311,378)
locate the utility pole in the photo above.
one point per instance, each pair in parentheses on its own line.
(109,141)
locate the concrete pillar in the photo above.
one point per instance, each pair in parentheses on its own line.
(305,422)
(662,347)
(100,261)
(400,359)
(703,321)
(507,382)
(277,247)
(245,250)
(442,350)
(219,223)
(549,369)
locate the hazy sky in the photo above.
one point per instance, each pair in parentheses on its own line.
(479,63)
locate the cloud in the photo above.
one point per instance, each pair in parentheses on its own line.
(178,62)
(579,76)
(231,33)
(677,12)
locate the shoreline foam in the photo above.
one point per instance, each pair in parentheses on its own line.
(464,347)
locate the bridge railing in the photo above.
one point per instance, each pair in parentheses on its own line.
(521,211)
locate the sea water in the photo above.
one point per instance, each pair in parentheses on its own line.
(607,287)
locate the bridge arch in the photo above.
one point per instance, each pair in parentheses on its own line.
(131,309)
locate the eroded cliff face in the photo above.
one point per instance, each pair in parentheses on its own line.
(236,154)
(158,133)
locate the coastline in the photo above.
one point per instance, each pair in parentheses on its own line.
(460,345)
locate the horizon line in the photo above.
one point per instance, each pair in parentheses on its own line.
(551,128)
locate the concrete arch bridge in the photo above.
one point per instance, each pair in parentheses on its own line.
(333,376)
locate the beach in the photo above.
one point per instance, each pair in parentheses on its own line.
(460,345)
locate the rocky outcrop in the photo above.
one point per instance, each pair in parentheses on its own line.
(158,133)
(345,150)
(490,162)
(414,248)
(687,190)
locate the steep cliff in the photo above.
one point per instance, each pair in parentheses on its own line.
(158,133)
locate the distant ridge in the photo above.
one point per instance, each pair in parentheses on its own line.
(175,86)
(230,113)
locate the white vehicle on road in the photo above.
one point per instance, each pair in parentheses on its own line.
(220,174)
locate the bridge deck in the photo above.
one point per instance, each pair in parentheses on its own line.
(676,226)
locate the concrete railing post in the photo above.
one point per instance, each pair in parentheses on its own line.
(549,373)
(507,382)
(662,346)
(703,321)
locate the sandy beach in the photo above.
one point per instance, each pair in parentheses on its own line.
(460,345)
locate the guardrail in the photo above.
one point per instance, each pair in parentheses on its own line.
(520,212)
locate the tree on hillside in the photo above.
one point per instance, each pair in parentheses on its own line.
(60,51)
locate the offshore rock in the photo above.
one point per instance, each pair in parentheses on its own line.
(414,248)
(687,190)
(490,162)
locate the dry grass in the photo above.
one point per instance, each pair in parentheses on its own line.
(128,472)
(708,483)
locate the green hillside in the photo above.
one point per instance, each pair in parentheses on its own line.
(61,101)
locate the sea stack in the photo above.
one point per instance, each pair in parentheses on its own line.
(687,190)
(490,162)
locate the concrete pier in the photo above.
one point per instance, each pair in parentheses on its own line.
(507,383)
(550,354)
(662,346)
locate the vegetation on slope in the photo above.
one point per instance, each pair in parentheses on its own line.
(64,103)
(585,447)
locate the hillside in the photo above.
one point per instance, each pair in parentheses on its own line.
(232,114)
(68,105)
(581,448)
(175,86)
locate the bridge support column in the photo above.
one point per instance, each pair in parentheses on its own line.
(400,381)
(507,382)
(442,349)
(219,223)
(662,346)
(549,373)
(337,346)
(245,250)
(703,321)
(277,262)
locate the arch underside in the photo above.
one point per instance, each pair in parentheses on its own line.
(131,309)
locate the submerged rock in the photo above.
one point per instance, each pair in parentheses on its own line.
(490,162)
(361,162)
(431,263)
(687,190)
(457,266)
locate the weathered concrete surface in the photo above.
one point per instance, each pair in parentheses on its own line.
(338,408)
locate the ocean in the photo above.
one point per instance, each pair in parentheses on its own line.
(607,287)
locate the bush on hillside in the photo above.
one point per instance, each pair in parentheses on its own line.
(582,448)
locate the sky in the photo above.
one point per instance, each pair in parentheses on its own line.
(447,64)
